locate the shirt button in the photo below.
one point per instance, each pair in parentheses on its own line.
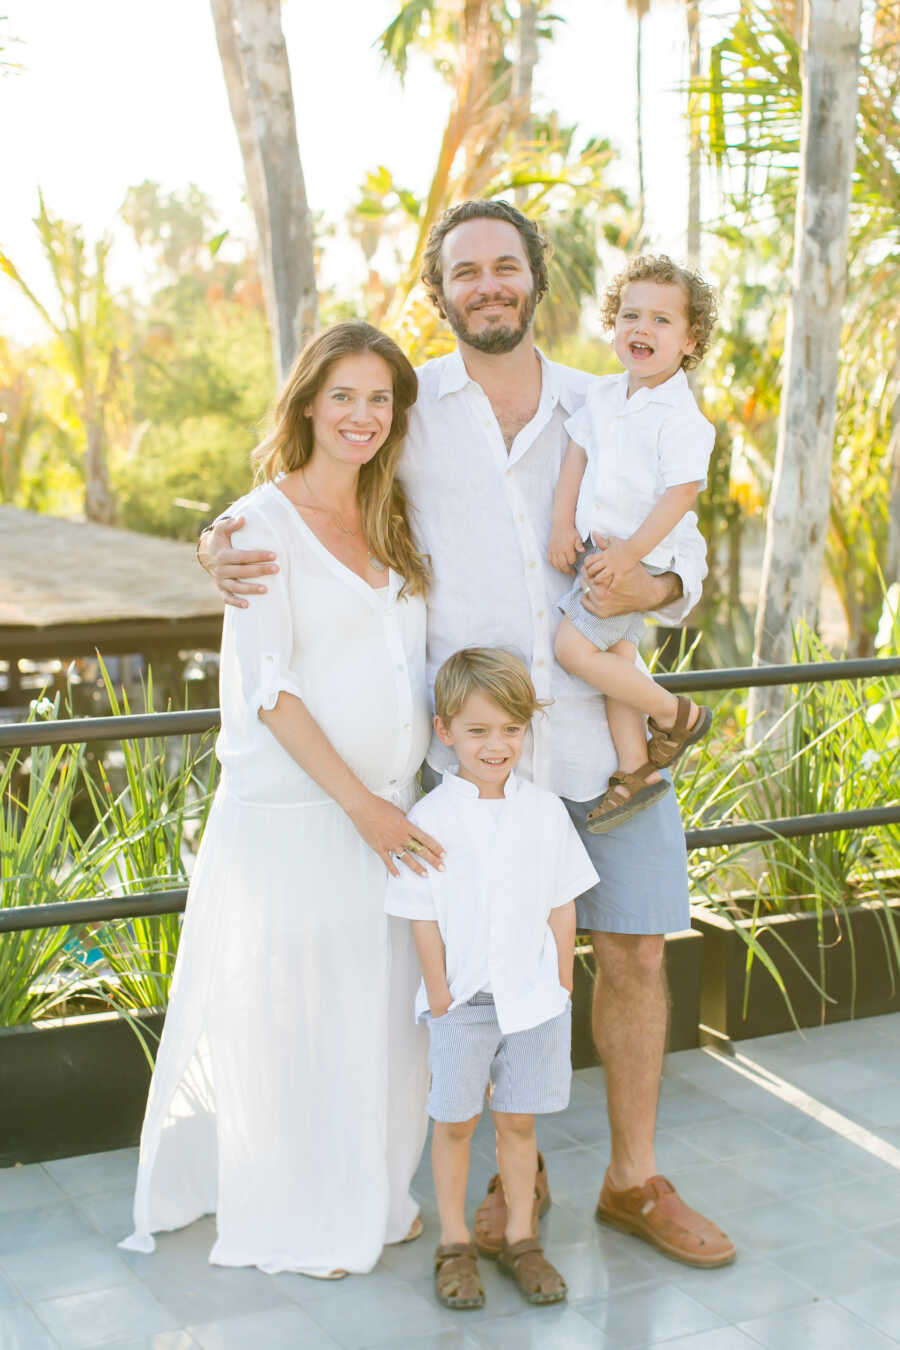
(540,663)
(541,613)
(407,726)
(400,665)
(391,782)
(532,563)
(521,515)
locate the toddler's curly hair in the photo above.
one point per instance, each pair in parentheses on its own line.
(701,298)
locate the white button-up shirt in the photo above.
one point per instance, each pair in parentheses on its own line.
(505,871)
(484,516)
(636,448)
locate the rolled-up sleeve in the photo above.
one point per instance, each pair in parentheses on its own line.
(262,634)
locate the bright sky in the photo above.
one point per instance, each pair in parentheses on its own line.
(113,92)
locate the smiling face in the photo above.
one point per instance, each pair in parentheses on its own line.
(652,332)
(487,291)
(352,412)
(487,740)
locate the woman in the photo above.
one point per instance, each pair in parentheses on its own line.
(275,1102)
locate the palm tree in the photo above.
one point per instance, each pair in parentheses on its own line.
(258,79)
(88,342)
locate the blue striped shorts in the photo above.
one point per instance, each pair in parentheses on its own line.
(528,1072)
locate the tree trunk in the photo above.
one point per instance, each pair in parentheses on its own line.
(524,76)
(799,507)
(892,554)
(99,502)
(258,79)
(692,11)
(639,118)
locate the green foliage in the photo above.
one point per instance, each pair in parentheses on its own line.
(37,844)
(141,836)
(751,108)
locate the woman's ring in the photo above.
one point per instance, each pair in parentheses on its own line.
(413,846)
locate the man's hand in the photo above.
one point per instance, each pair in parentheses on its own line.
(231,567)
(565,545)
(637,591)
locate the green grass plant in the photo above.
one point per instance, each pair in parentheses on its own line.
(37,847)
(141,835)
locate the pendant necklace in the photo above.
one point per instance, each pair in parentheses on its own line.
(374,562)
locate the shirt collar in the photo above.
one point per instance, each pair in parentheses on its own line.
(464,788)
(455,377)
(671,392)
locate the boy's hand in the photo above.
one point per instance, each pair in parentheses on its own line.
(440,1003)
(614,563)
(565,545)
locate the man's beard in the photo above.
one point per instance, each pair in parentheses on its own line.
(497,338)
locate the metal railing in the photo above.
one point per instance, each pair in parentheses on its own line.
(84,730)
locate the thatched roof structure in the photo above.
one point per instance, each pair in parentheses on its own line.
(66,584)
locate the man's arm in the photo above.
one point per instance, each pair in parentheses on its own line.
(667,598)
(229,567)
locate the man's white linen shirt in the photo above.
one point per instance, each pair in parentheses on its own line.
(636,448)
(484,516)
(508,864)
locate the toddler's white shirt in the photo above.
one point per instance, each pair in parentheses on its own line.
(637,448)
(503,877)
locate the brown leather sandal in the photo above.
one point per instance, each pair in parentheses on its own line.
(490,1216)
(667,744)
(457,1282)
(526,1263)
(627,794)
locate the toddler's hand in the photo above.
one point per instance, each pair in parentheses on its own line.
(610,566)
(564,548)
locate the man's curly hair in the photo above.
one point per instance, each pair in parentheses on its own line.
(536,246)
(701,298)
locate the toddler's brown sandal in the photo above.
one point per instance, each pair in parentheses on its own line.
(490,1216)
(457,1282)
(627,794)
(526,1263)
(667,744)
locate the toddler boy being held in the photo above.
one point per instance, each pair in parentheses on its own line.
(637,457)
(495,933)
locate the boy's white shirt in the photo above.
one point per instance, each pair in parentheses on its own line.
(492,903)
(638,447)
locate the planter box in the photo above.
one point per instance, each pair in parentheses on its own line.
(725,960)
(684,954)
(78,1085)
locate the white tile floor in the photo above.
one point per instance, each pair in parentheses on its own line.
(794,1147)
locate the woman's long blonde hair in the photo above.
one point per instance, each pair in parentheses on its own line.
(382,501)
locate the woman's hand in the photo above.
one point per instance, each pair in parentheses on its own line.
(394,838)
(231,567)
(564,547)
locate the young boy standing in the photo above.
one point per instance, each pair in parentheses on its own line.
(495,933)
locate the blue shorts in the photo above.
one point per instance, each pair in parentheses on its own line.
(529,1072)
(642,866)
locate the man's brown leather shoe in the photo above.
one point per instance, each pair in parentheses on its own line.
(656,1213)
(490,1216)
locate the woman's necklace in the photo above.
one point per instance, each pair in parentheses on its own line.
(374,562)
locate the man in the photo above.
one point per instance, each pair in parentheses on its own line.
(482,457)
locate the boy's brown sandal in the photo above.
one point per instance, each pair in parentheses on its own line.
(627,794)
(490,1216)
(667,744)
(656,1213)
(457,1282)
(526,1263)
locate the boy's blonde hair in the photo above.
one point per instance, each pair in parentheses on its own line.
(700,296)
(487,670)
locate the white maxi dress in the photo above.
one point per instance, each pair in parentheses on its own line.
(289,1090)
